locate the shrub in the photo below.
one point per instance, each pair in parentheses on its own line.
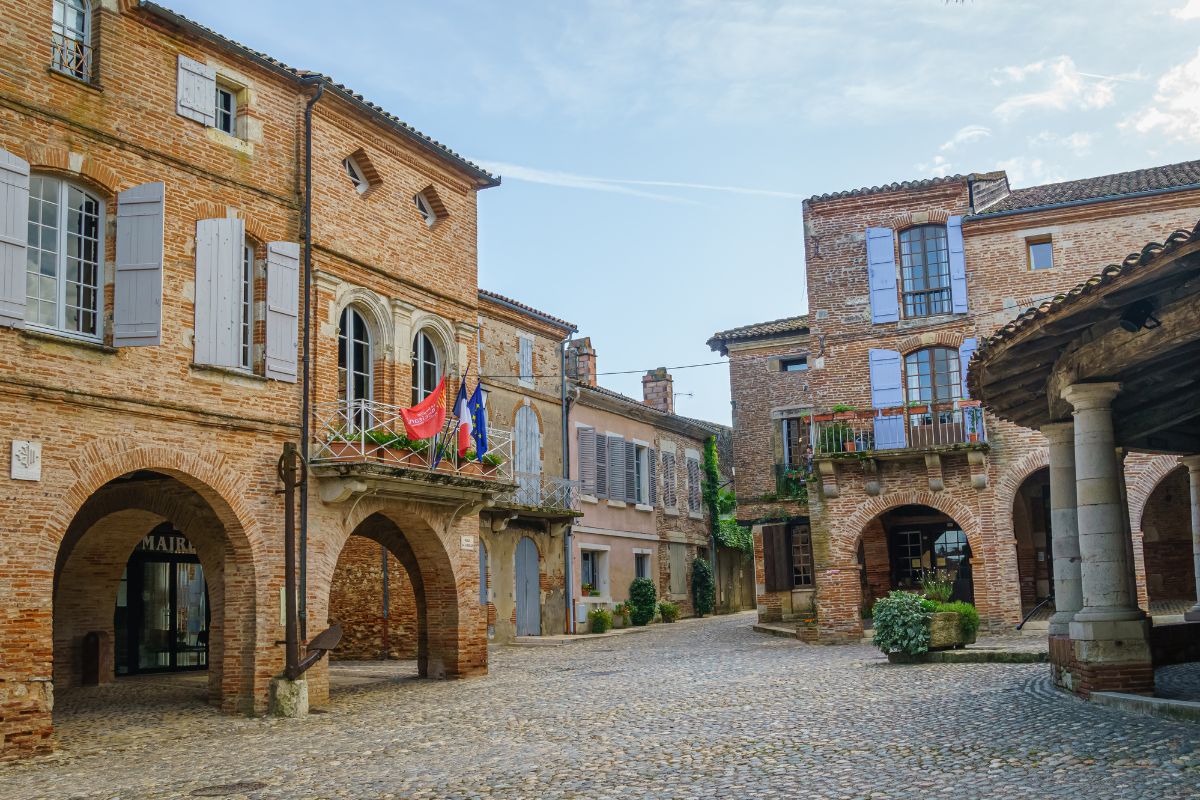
(937,588)
(599,620)
(704,589)
(642,597)
(968,617)
(902,623)
(668,610)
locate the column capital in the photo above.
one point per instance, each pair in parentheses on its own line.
(1086,396)
(1059,432)
(1191,462)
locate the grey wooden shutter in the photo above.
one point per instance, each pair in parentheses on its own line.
(283,304)
(587,461)
(219,245)
(14,217)
(958,265)
(652,460)
(601,466)
(617,489)
(138,281)
(525,349)
(196,91)
(631,472)
(693,474)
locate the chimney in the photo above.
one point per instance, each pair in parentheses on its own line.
(658,390)
(581,361)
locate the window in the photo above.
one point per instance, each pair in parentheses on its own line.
(802,557)
(670,499)
(226,110)
(932,376)
(925,271)
(355,173)
(641,565)
(426,208)
(64,258)
(799,364)
(693,478)
(1041,252)
(71,36)
(354,362)
(525,359)
(795,442)
(641,471)
(247,311)
(678,556)
(592,572)
(426,367)
(787,557)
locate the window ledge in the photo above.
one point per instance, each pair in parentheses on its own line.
(601,600)
(616,504)
(74,79)
(233,142)
(49,336)
(695,515)
(906,323)
(643,507)
(671,511)
(588,498)
(229,371)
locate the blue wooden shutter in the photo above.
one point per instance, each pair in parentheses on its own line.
(283,306)
(196,91)
(958,265)
(881,275)
(138,281)
(219,245)
(617,488)
(587,461)
(601,466)
(887,391)
(652,481)
(630,472)
(965,351)
(14,216)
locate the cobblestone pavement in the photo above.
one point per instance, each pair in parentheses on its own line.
(703,708)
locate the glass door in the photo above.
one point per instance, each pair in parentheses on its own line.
(191,617)
(161,619)
(154,633)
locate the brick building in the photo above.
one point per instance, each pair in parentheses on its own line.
(908,475)
(154,178)
(639,468)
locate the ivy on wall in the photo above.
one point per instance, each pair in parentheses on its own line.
(721,504)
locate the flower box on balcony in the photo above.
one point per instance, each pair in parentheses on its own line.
(918,409)
(343,451)
(397,456)
(822,417)
(845,414)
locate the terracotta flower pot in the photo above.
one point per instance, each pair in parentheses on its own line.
(342,451)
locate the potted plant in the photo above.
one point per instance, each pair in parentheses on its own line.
(901,626)
(843,411)
(586,589)
(850,445)
(620,615)
(668,611)
(642,599)
(343,446)
(599,620)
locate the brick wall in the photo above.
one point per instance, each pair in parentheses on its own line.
(356,601)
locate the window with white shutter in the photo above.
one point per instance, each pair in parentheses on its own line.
(670,496)
(652,461)
(283,304)
(14,206)
(693,477)
(618,488)
(525,359)
(587,460)
(137,288)
(64,258)
(631,487)
(601,465)
(196,91)
(220,250)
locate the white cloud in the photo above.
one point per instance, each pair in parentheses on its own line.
(1175,112)
(1063,87)
(935,167)
(622,185)
(1025,171)
(965,135)
(1079,142)
(1189,10)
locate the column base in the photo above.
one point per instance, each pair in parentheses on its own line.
(289,698)
(1107,614)
(1192,614)
(1111,656)
(1060,623)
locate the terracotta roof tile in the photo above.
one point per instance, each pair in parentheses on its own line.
(921,183)
(759,330)
(562,323)
(1171,176)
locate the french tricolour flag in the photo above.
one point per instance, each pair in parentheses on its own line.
(462,410)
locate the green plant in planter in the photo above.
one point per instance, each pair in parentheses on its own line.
(642,599)
(842,407)
(936,586)
(668,610)
(902,623)
(968,617)
(599,620)
(704,589)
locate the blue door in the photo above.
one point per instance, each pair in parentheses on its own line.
(529,604)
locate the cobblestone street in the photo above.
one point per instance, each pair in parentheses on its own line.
(700,709)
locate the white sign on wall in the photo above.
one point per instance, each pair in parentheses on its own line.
(26,461)
(467,542)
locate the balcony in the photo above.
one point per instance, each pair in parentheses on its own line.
(359,447)
(543,495)
(791,482)
(916,427)
(71,56)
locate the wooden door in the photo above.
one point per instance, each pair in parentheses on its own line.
(528,593)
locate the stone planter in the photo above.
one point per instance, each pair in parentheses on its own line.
(944,631)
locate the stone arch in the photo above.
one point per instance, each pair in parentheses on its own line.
(909,219)
(848,534)
(1148,479)
(255,228)
(82,167)
(920,341)
(1010,483)
(375,310)
(442,334)
(1149,565)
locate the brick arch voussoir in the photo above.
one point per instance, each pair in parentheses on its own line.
(904,220)
(255,228)
(1143,488)
(920,341)
(91,171)
(849,533)
(1010,483)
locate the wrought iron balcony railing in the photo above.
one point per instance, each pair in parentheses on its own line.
(71,56)
(366,432)
(918,426)
(535,490)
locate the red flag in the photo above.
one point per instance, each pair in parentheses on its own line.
(427,417)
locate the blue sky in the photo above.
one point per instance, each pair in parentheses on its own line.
(655,154)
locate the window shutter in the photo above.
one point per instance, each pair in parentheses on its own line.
(958,265)
(965,351)
(601,466)
(587,461)
(774,565)
(525,349)
(196,91)
(616,468)
(693,477)
(887,391)
(630,472)
(881,275)
(138,285)
(652,460)
(14,217)
(283,306)
(218,291)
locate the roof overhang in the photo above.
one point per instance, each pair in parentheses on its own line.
(1020,372)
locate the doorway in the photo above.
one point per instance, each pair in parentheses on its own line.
(528,589)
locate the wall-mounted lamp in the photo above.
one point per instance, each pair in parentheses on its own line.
(1139,315)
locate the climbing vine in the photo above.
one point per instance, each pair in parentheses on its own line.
(721,504)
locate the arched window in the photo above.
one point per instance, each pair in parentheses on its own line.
(426,367)
(63,265)
(925,271)
(932,375)
(71,37)
(354,357)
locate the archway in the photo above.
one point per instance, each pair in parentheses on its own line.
(905,545)
(372,597)
(178,545)
(1031,530)
(1167,545)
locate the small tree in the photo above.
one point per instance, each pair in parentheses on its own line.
(704,590)
(643,598)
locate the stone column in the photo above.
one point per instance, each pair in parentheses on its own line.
(1064,526)
(1193,465)
(1109,634)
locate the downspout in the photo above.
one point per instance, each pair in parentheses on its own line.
(306,380)
(568,568)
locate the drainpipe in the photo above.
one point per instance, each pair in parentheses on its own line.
(566,459)
(306,380)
